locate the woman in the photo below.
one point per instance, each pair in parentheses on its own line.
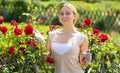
(67,45)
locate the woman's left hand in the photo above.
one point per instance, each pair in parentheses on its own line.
(86,56)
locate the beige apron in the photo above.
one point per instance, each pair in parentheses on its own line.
(66,61)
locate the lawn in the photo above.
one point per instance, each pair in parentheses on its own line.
(103,5)
(93,6)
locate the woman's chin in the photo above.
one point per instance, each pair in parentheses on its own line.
(64,23)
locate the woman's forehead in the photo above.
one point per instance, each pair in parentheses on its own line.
(65,9)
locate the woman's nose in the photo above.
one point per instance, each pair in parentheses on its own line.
(64,15)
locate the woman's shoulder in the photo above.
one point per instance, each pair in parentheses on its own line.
(53,32)
(81,37)
(81,34)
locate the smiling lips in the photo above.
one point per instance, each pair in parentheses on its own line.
(64,20)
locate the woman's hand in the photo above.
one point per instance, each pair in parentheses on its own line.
(39,36)
(87,56)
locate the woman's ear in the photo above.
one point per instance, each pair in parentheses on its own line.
(74,18)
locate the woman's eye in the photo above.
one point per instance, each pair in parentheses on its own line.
(64,13)
(67,13)
(61,13)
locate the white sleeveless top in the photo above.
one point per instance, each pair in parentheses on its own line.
(66,55)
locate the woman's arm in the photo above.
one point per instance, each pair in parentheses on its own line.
(84,48)
(41,39)
(48,44)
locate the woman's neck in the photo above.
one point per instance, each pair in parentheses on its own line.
(69,29)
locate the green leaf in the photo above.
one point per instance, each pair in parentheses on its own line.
(24,13)
(108,64)
(99,55)
(23,58)
(116,60)
(27,14)
(113,52)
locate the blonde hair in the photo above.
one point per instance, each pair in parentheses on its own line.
(70,6)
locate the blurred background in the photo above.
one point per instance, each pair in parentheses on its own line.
(105,14)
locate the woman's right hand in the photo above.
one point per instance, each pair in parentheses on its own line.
(39,36)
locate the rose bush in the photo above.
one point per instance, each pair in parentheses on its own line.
(19,50)
(105,56)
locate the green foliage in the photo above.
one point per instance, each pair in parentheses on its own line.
(105,55)
(13,9)
(31,59)
(93,1)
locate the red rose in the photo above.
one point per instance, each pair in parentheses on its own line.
(32,43)
(28,29)
(11,50)
(87,21)
(17,31)
(3,29)
(54,27)
(96,31)
(57,26)
(81,25)
(40,21)
(27,20)
(103,37)
(13,22)
(49,59)
(1,20)
(21,48)
(51,27)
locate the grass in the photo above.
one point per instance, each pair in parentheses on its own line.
(103,5)
(93,6)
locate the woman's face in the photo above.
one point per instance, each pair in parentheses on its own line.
(66,16)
